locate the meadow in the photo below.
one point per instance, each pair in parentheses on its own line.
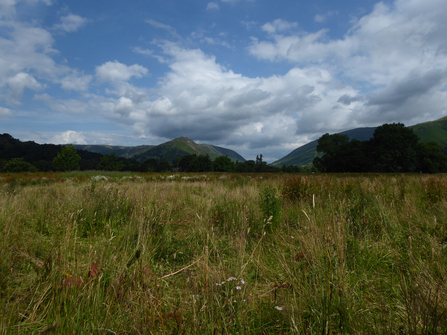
(121,253)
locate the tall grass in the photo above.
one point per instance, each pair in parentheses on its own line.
(223,254)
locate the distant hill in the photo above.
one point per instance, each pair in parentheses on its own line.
(41,155)
(305,154)
(428,131)
(170,151)
(432,131)
(121,151)
(215,152)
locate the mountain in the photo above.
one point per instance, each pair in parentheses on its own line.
(432,131)
(170,151)
(214,152)
(305,154)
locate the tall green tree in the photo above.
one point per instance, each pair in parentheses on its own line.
(394,148)
(184,162)
(201,163)
(223,164)
(67,159)
(332,147)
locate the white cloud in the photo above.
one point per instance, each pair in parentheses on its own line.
(212,6)
(390,66)
(19,82)
(320,18)
(76,81)
(5,112)
(116,71)
(123,106)
(397,53)
(249,25)
(279,25)
(69,137)
(26,60)
(7,7)
(201,99)
(71,23)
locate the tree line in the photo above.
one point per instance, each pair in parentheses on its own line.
(17,156)
(393,148)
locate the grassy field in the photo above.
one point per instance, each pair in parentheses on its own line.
(90,253)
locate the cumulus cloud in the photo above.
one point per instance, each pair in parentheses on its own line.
(395,53)
(123,106)
(203,100)
(391,66)
(71,23)
(69,137)
(116,71)
(19,82)
(76,81)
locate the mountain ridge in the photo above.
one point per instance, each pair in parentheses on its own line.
(170,150)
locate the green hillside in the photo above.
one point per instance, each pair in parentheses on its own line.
(120,151)
(172,150)
(305,154)
(215,152)
(432,131)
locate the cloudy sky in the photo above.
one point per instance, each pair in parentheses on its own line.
(255,76)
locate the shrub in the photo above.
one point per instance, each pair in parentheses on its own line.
(19,165)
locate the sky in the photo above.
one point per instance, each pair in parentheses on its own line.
(256,76)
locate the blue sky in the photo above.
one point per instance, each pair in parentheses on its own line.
(254,76)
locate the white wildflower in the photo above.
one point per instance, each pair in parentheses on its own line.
(238,288)
(278,308)
(99,178)
(231,279)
